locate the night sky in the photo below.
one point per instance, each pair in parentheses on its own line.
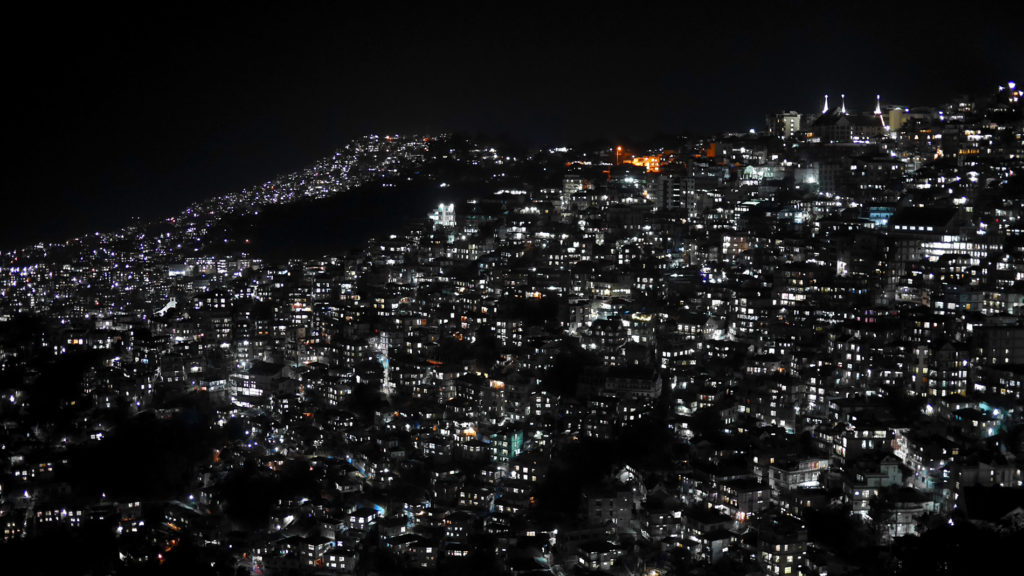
(126,114)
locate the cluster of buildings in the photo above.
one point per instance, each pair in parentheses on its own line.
(742,333)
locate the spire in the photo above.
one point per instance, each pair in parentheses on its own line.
(825,110)
(843,96)
(878,112)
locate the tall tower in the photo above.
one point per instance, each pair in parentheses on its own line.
(878,111)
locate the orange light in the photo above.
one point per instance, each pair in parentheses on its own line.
(649,163)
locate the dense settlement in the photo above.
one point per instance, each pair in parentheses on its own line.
(755,353)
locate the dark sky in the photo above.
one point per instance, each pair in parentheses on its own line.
(118,114)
